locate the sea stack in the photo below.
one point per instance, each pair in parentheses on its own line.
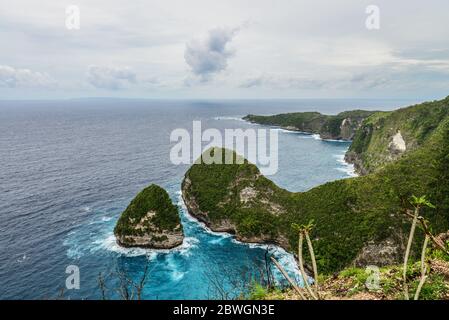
(151,220)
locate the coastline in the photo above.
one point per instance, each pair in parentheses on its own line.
(356,169)
(284,253)
(227,229)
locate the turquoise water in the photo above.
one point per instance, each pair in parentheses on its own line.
(69,168)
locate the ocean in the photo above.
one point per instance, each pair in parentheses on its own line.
(70,167)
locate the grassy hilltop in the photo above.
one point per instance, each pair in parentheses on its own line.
(371,147)
(359,221)
(150,220)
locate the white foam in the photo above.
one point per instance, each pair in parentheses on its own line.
(22,259)
(74,252)
(347,168)
(282,130)
(305,136)
(187,245)
(221,235)
(109,243)
(175,274)
(218,240)
(103,219)
(349,171)
(191,218)
(287,260)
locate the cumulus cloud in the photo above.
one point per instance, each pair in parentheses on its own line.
(209,55)
(111,78)
(24,78)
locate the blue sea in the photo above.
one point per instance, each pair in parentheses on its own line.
(70,167)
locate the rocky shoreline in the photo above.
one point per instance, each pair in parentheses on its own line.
(150,221)
(167,240)
(225,225)
(342,126)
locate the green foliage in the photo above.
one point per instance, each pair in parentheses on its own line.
(421,202)
(346,213)
(434,288)
(258,292)
(328,126)
(152,198)
(353,280)
(417,125)
(356,273)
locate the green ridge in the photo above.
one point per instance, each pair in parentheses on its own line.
(349,213)
(328,126)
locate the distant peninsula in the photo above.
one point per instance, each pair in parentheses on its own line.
(151,220)
(337,127)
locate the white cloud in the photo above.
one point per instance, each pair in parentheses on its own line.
(209,55)
(301,48)
(111,78)
(11,77)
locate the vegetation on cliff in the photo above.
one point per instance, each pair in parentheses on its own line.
(150,220)
(340,126)
(354,283)
(358,221)
(374,144)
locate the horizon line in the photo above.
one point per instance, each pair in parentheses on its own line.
(212,99)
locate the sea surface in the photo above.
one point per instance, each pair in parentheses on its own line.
(70,167)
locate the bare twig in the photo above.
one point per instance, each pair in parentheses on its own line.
(423,268)
(102,285)
(314,266)
(301,266)
(141,284)
(286,276)
(427,231)
(407,251)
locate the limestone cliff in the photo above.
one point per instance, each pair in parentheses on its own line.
(385,137)
(150,221)
(337,127)
(358,221)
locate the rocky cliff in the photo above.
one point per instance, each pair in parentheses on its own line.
(358,221)
(338,127)
(385,137)
(150,221)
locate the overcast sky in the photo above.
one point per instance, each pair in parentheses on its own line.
(224,49)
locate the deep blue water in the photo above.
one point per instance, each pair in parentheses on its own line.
(69,168)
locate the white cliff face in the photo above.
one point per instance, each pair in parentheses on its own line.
(397,144)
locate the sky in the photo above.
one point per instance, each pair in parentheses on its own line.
(237,49)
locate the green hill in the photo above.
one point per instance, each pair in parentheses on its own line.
(359,221)
(373,146)
(151,220)
(341,126)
